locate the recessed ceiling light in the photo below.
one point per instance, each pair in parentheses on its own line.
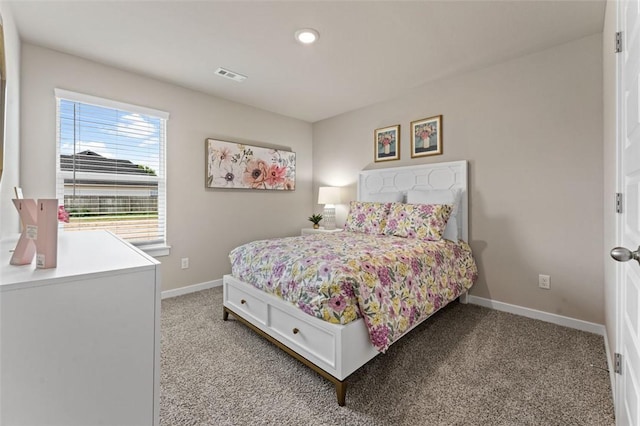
(307,36)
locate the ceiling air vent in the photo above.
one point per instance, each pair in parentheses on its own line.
(231,75)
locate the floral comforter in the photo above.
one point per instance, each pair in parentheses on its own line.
(391,282)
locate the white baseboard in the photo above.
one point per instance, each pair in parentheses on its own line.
(191,288)
(589,327)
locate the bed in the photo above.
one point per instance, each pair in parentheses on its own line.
(332,328)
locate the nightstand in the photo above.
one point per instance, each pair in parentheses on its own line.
(309,231)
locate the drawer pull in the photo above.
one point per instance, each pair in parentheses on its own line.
(243,301)
(296,331)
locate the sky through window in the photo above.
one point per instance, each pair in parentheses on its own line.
(110,133)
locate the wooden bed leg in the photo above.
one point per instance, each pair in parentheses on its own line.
(341,392)
(225,314)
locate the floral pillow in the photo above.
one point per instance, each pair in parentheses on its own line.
(424,221)
(367,217)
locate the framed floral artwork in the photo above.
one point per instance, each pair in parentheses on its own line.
(235,165)
(386,142)
(426,137)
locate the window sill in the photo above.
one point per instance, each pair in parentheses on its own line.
(156,250)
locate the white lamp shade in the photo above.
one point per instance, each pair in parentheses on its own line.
(329,195)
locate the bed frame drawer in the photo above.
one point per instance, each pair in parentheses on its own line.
(303,336)
(334,350)
(246,304)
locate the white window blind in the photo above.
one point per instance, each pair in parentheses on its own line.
(111,167)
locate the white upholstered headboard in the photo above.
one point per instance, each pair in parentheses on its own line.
(451,175)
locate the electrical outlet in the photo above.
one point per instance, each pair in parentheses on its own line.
(544,281)
(185,263)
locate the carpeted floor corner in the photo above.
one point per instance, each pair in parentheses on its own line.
(467,365)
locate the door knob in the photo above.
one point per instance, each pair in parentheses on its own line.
(622,254)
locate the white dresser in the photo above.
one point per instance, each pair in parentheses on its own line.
(80,343)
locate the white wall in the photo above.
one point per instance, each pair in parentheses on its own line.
(609,155)
(11,168)
(203,225)
(531,129)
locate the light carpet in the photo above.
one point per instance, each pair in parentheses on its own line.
(466,365)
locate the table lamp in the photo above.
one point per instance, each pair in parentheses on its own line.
(329,196)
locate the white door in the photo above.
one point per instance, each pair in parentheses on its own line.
(628,288)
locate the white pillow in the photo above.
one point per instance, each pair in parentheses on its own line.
(383,197)
(453,231)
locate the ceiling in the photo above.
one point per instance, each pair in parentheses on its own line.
(367,52)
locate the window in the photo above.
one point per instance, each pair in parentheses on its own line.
(111,168)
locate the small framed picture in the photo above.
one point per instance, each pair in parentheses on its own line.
(386,143)
(426,137)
